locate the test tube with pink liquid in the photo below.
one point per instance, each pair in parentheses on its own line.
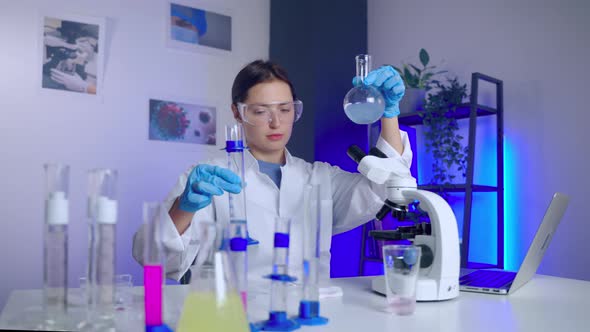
(153,272)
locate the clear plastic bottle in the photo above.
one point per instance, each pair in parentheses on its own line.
(102,210)
(363,104)
(55,253)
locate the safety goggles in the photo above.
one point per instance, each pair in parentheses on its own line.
(263,114)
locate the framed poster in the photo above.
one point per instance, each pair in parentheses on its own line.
(72,50)
(193,26)
(176,121)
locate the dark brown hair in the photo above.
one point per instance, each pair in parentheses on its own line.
(255,72)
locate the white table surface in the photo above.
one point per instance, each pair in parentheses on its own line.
(544,304)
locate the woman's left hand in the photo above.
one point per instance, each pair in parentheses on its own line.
(391,85)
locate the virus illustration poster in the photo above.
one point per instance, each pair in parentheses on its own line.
(181,122)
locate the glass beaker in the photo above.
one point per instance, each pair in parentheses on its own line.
(213,303)
(363,104)
(401,268)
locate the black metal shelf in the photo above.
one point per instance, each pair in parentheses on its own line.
(458,188)
(472,110)
(461,112)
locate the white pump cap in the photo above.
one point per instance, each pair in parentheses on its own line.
(56,209)
(106,210)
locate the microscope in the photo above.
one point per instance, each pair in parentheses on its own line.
(440,263)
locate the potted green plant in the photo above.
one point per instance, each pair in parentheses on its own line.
(418,81)
(441,131)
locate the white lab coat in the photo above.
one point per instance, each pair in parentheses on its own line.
(353,198)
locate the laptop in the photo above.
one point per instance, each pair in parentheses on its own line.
(507,282)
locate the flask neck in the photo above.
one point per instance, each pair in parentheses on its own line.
(363,65)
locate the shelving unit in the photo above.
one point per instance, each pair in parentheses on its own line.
(471,110)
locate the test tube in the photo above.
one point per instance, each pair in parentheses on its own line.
(102,210)
(238,231)
(235,144)
(153,273)
(55,253)
(278,320)
(309,307)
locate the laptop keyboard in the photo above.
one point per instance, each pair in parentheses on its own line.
(487,278)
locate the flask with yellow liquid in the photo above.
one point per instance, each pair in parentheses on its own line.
(213,303)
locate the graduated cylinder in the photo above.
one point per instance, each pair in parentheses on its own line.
(102,211)
(238,231)
(55,253)
(153,272)
(309,307)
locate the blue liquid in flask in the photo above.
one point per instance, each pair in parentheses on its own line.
(363,104)
(363,113)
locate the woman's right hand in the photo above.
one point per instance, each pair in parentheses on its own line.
(203,182)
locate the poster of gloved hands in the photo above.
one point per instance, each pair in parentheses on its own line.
(181,122)
(72,54)
(191,27)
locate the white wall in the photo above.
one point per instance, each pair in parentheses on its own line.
(540,50)
(90,132)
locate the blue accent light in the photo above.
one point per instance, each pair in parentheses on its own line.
(511,234)
(483,237)
(483,247)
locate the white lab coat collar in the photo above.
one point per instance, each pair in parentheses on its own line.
(251,161)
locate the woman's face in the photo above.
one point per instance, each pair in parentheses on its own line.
(273,136)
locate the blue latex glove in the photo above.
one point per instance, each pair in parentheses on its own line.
(203,182)
(389,82)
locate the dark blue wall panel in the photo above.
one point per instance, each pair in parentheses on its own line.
(316,41)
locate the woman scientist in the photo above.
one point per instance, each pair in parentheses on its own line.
(264,101)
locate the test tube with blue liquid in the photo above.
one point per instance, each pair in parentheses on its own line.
(55,253)
(278,320)
(235,144)
(309,307)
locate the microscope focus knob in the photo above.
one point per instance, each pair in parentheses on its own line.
(427,256)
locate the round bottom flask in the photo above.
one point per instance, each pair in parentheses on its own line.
(363,104)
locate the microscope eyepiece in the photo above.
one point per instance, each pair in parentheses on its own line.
(355,153)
